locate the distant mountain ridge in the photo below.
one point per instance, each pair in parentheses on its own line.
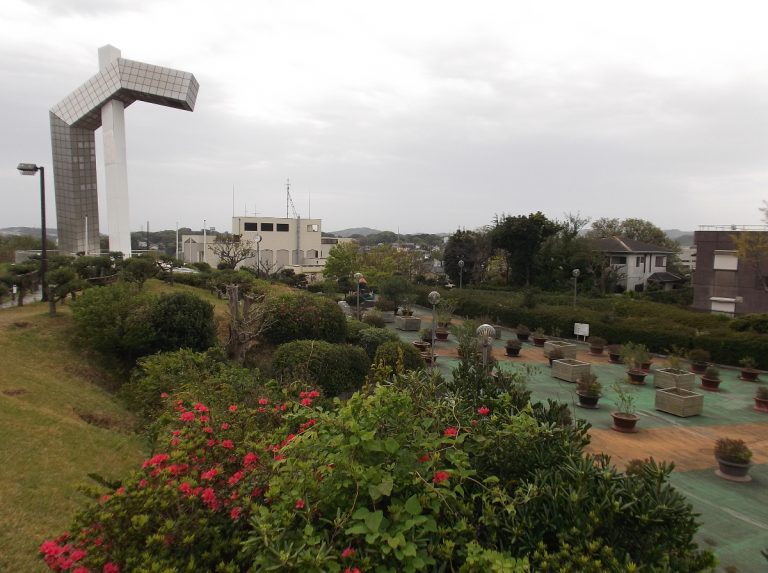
(685,238)
(364,231)
(51,233)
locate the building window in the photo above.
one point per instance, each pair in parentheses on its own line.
(617,260)
(661,262)
(726,261)
(313,228)
(639,261)
(282,227)
(250,226)
(267,227)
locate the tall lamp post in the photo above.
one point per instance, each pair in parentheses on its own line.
(433,298)
(257,239)
(461,273)
(31,169)
(486,333)
(575,273)
(358,276)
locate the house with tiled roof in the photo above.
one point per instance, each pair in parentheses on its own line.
(636,264)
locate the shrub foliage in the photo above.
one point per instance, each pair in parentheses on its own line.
(303,317)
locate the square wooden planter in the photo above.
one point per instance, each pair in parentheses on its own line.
(569,349)
(408,323)
(569,369)
(673,378)
(683,403)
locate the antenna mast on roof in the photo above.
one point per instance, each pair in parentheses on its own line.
(289,201)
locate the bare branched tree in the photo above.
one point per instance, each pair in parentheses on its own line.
(248,319)
(232,249)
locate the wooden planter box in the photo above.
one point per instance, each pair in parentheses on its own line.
(683,403)
(408,323)
(672,378)
(569,369)
(569,349)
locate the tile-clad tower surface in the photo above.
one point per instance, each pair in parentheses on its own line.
(73,122)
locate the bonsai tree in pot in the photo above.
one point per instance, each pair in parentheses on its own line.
(710,380)
(699,359)
(749,370)
(625,417)
(512,347)
(523,332)
(555,354)
(614,353)
(539,338)
(588,390)
(596,344)
(634,355)
(733,457)
(445,309)
(761,399)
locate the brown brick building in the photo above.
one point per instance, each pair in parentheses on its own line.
(723,282)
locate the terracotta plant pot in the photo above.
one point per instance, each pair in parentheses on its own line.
(421,345)
(624,423)
(512,351)
(698,367)
(733,471)
(597,350)
(441,334)
(539,341)
(523,337)
(636,376)
(749,374)
(646,366)
(429,360)
(711,384)
(615,358)
(761,404)
(588,400)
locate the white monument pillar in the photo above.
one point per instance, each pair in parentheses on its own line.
(115,165)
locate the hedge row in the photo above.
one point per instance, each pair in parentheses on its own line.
(618,320)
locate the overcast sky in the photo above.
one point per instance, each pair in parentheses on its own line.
(419,115)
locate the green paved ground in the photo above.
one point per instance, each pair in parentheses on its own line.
(734,517)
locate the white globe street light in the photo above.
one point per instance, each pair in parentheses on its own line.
(433,298)
(486,333)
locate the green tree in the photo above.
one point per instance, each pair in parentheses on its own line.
(635,229)
(182,320)
(472,247)
(139,269)
(395,288)
(342,262)
(521,238)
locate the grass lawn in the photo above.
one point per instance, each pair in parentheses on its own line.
(47,388)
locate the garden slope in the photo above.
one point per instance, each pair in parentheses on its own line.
(48,388)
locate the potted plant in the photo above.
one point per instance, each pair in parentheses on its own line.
(588,390)
(710,380)
(538,337)
(445,309)
(634,355)
(523,332)
(625,417)
(426,334)
(673,375)
(749,370)
(596,344)
(424,341)
(761,399)
(441,333)
(614,353)
(733,457)
(512,347)
(699,359)
(406,309)
(556,354)
(429,358)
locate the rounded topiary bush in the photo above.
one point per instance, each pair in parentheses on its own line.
(301,316)
(335,368)
(374,318)
(354,328)
(372,338)
(390,352)
(183,320)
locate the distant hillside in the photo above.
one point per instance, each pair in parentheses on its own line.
(364,231)
(29,232)
(685,238)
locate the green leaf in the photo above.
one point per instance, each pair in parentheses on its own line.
(391,445)
(373,521)
(413,506)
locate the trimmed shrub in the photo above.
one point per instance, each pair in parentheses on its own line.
(335,368)
(354,328)
(374,318)
(389,353)
(302,316)
(371,338)
(183,320)
(116,321)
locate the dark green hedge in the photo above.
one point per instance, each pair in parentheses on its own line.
(389,354)
(335,368)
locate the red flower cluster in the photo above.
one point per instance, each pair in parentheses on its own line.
(483,410)
(451,432)
(440,476)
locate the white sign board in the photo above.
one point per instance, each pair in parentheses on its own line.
(581,329)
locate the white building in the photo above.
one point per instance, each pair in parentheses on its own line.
(280,243)
(637,263)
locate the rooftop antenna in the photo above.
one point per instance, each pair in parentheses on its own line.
(289,201)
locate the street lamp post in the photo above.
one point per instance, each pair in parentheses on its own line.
(434,298)
(575,273)
(257,239)
(461,273)
(486,333)
(358,276)
(31,169)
